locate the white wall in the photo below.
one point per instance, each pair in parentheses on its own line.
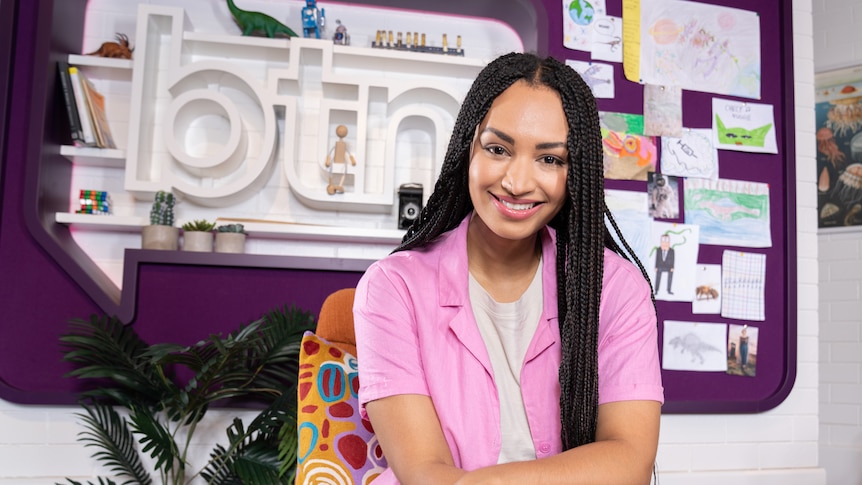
(37,444)
(838,44)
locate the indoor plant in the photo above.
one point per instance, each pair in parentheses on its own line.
(161,233)
(257,362)
(230,238)
(198,235)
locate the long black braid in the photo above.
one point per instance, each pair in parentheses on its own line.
(580,226)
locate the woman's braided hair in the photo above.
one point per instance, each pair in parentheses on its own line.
(581,231)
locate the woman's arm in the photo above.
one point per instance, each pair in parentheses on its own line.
(412,440)
(623,453)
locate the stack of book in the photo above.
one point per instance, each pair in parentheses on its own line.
(86,108)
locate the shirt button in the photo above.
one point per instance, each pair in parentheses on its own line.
(544,448)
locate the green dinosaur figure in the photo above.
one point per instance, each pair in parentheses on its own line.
(754,137)
(251,22)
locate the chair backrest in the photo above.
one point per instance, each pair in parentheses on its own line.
(335,322)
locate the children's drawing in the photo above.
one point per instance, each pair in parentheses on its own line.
(745,127)
(694,346)
(729,212)
(629,211)
(628,154)
(662,110)
(742,350)
(691,155)
(707,290)
(743,277)
(608,39)
(673,260)
(598,76)
(700,47)
(663,191)
(578,19)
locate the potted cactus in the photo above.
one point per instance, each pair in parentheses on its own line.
(198,235)
(230,238)
(161,233)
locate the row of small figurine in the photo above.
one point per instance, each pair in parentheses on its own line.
(385,40)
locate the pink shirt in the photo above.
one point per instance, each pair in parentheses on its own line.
(416,334)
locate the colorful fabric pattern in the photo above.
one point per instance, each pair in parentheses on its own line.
(336,446)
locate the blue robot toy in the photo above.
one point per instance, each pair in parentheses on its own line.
(313,19)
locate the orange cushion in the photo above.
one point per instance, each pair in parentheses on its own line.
(335,322)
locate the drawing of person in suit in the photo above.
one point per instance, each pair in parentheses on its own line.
(664,263)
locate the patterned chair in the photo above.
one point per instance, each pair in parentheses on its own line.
(336,446)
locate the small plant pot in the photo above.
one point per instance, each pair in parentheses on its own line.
(230,242)
(198,241)
(160,237)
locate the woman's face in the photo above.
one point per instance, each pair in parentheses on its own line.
(519,161)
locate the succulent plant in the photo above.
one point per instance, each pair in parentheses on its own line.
(200,225)
(162,212)
(239,228)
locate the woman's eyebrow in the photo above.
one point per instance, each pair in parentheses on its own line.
(506,138)
(551,144)
(540,146)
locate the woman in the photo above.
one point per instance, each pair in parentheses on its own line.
(502,329)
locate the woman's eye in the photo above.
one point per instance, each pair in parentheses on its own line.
(551,160)
(496,149)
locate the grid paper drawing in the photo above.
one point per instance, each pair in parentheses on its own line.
(743,277)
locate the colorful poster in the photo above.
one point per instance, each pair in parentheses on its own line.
(694,346)
(743,280)
(578,19)
(598,76)
(729,212)
(838,121)
(629,155)
(691,155)
(744,127)
(700,47)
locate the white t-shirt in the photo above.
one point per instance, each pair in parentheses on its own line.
(507,329)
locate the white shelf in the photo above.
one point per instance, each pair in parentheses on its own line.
(94,157)
(95,61)
(277,230)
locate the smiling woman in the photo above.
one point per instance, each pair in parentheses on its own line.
(507,279)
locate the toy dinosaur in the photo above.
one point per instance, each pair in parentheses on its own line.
(251,22)
(119,49)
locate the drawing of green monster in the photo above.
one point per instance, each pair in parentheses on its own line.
(755,137)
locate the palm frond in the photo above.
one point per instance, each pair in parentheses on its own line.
(251,457)
(103,348)
(155,438)
(102,481)
(106,430)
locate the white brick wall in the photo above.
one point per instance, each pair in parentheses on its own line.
(838,44)
(778,447)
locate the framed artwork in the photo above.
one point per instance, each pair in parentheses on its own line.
(838,105)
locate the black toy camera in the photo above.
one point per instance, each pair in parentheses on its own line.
(409,204)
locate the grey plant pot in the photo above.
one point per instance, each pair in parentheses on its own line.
(160,237)
(230,242)
(198,241)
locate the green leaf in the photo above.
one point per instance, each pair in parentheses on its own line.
(105,430)
(155,438)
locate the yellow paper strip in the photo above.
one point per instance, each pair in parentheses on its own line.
(632,40)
